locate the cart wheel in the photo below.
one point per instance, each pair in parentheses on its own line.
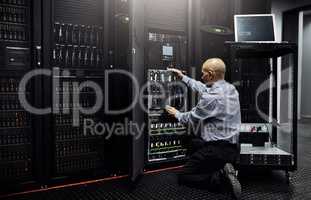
(287,177)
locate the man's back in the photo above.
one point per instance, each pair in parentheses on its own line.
(221,117)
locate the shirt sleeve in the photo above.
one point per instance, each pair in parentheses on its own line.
(194,85)
(203,110)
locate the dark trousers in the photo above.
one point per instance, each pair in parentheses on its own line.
(203,169)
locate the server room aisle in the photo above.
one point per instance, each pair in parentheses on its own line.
(161,186)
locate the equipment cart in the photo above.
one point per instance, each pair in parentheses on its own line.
(265,75)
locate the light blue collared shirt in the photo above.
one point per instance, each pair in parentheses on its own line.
(217,112)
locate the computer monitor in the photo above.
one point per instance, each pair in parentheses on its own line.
(254,28)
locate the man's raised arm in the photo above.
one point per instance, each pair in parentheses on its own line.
(193,84)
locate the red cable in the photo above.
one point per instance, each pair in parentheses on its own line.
(85,183)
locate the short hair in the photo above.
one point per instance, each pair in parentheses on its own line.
(215,64)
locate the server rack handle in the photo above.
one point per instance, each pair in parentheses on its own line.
(38,56)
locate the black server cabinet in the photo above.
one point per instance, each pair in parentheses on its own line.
(19,135)
(71,43)
(166,141)
(120,59)
(256,80)
(158,41)
(79,46)
(248,74)
(166,45)
(137,66)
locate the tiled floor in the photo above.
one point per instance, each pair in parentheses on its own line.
(268,185)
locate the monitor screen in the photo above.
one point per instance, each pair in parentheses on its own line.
(167,51)
(254,28)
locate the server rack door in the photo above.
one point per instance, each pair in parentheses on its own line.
(75,50)
(137,39)
(19,138)
(167,45)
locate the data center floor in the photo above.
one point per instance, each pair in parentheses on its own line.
(164,185)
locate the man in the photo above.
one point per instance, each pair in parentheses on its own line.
(218,117)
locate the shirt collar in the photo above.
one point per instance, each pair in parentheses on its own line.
(217,83)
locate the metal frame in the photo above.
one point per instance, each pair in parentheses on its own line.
(272,50)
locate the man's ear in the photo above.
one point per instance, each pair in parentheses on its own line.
(212,74)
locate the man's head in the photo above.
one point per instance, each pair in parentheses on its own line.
(213,69)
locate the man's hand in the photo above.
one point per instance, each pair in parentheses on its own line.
(171,110)
(176,71)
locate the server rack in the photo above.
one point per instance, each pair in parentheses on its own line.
(166,141)
(137,66)
(253,69)
(19,137)
(80,44)
(77,42)
(157,42)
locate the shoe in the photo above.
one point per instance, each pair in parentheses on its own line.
(232,181)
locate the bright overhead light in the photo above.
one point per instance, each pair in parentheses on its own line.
(216,29)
